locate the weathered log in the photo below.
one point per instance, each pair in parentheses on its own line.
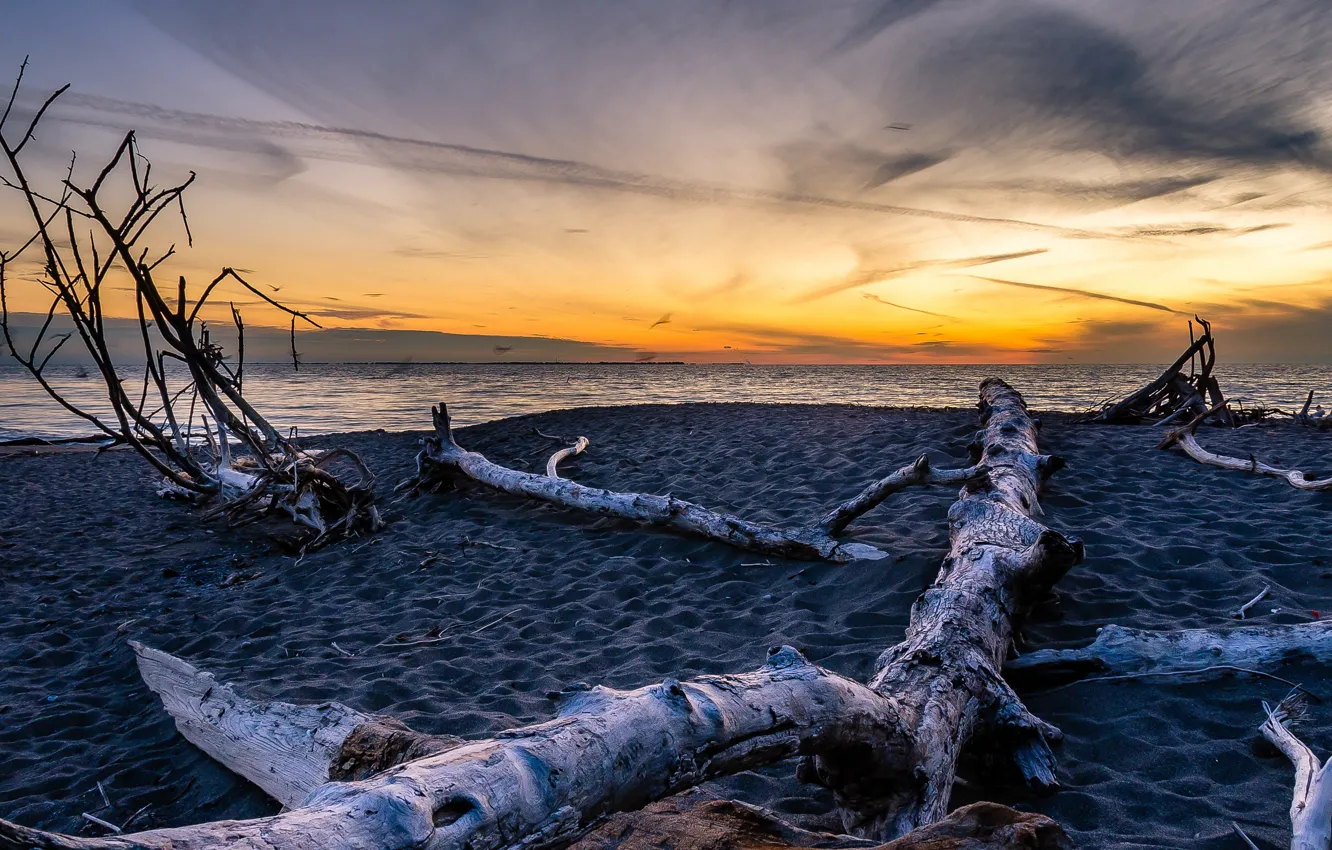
(542,785)
(1120,651)
(552,466)
(1311,803)
(945,676)
(889,750)
(442,460)
(1183,439)
(692,822)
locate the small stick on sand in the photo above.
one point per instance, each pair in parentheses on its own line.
(467,541)
(102,791)
(1244,609)
(1146,673)
(491,623)
(135,816)
(343,651)
(1240,833)
(111,826)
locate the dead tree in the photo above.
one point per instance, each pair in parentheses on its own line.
(889,750)
(1183,439)
(1172,394)
(442,462)
(234,460)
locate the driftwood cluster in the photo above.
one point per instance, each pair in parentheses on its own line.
(615,769)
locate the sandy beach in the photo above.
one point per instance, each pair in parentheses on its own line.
(472,606)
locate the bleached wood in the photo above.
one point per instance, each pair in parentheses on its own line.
(284,749)
(1119,650)
(1311,803)
(945,674)
(919,473)
(552,466)
(889,751)
(1294,477)
(443,459)
(539,786)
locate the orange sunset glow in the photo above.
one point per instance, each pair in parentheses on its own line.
(973,183)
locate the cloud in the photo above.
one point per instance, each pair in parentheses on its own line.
(345,144)
(872,297)
(888,14)
(864,276)
(1089,87)
(1081,293)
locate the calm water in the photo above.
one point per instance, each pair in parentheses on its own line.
(338,397)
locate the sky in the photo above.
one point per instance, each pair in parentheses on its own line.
(765,180)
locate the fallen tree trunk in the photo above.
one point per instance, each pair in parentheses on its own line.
(889,750)
(442,461)
(1123,651)
(535,787)
(1311,804)
(1183,439)
(945,675)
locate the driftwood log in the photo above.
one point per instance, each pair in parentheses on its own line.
(945,675)
(442,461)
(1311,803)
(1183,438)
(889,750)
(1172,394)
(1123,651)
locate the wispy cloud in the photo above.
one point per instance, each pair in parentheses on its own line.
(864,276)
(872,297)
(1081,293)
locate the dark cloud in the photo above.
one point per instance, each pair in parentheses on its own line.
(1202,229)
(1087,86)
(1081,293)
(900,166)
(887,14)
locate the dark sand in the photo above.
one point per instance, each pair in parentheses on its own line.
(89,557)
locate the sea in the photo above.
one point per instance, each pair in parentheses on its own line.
(333,398)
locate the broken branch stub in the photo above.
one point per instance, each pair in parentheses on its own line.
(442,460)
